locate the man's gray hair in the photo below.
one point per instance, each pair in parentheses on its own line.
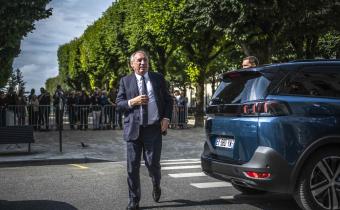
(138,51)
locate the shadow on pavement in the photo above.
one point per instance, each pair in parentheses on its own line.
(272,201)
(35,205)
(51,162)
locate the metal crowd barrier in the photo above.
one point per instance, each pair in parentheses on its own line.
(179,118)
(46,117)
(82,117)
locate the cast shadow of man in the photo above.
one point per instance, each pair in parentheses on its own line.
(35,205)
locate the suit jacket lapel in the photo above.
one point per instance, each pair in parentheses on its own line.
(134,86)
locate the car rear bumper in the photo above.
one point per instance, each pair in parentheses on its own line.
(265,159)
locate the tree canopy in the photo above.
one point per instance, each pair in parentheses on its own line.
(16,20)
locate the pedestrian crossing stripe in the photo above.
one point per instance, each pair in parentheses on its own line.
(178,163)
(178,160)
(228,197)
(180,167)
(211,184)
(185,175)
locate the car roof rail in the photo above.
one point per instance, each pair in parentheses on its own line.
(314,60)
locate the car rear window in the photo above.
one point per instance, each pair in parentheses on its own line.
(239,87)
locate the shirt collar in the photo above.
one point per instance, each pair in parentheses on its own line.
(146,76)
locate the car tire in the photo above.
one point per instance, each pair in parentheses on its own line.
(247,190)
(318,186)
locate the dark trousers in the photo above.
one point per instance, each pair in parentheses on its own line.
(83,118)
(149,143)
(59,115)
(72,116)
(2,117)
(44,113)
(34,119)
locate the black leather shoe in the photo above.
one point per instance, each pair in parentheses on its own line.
(132,206)
(156,193)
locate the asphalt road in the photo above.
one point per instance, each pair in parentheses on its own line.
(102,186)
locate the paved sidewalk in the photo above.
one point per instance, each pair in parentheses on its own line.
(91,146)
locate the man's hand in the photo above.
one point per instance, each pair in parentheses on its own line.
(164,125)
(139,100)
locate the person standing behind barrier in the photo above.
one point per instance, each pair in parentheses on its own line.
(174,117)
(96,109)
(250,62)
(112,108)
(83,104)
(21,104)
(182,106)
(59,103)
(44,108)
(119,115)
(146,103)
(11,99)
(2,109)
(29,107)
(104,103)
(71,103)
(34,104)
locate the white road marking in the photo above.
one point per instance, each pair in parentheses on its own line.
(228,197)
(211,184)
(79,166)
(176,163)
(176,160)
(179,163)
(185,175)
(180,167)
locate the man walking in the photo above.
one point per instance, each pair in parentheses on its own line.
(144,99)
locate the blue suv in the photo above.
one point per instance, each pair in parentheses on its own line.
(276,128)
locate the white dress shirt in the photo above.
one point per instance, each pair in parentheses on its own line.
(153,115)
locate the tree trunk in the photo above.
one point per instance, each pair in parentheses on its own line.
(298,47)
(199,114)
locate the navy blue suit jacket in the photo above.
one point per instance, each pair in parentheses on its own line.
(128,89)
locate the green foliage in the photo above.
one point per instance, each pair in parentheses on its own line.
(329,45)
(51,84)
(193,72)
(16,20)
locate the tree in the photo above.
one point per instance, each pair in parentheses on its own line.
(16,80)
(12,81)
(202,37)
(16,20)
(20,79)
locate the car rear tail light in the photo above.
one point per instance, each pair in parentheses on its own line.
(257,175)
(265,108)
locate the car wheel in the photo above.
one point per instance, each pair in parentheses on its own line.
(247,190)
(319,184)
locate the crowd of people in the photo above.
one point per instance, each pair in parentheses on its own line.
(44,110)
(36,110)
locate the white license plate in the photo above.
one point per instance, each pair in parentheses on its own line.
(225,142)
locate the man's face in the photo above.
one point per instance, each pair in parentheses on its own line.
(140,63)
(246,64)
